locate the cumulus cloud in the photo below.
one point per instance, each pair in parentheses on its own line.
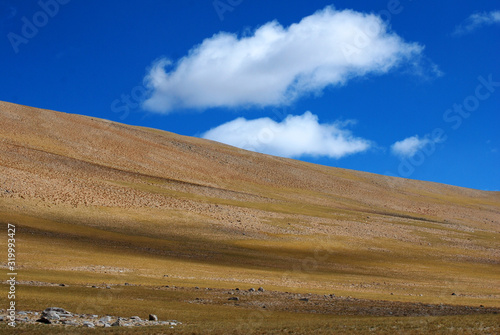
(476,21)
(295,136)
(411,145)
(275,65)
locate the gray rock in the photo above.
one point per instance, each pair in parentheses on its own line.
(136,318)
(107,325)
(69,323)
(304,299)
(261,289)
(118,323)
(105,319)
(55,309)
(251,290)
(88,324)
(51,315)
(153,317)
(234,298)
(22,313)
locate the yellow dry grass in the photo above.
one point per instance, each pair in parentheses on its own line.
(113,204)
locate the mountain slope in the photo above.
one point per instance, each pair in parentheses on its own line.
(125,203)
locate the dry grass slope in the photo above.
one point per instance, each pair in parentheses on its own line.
(97,202)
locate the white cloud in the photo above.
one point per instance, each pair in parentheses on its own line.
(410,146)
(477,20)
(275,65)
(295,136)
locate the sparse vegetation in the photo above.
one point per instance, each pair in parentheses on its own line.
(114,204)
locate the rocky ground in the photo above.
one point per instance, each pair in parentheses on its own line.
(56,316)
(255,300)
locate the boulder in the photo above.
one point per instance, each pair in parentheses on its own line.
(55,309)
(153,317)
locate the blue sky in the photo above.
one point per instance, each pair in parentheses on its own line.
(403,88)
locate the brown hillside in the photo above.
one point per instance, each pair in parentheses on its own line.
(96,201)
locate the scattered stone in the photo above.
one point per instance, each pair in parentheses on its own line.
(153,317)
(93,286)
(136,318)
(22,313)
(234,298)
(261,289)
(44,320)
(105,319)
(251,290)
(57,310)
(237,289)
(196,288)
(62,284)
(127,284)
(88,324)
(51,315)
(69,323)
(118,323)
(453,293)
(304,299)
(108,287)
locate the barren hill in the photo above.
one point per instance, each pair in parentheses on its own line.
(97,201)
